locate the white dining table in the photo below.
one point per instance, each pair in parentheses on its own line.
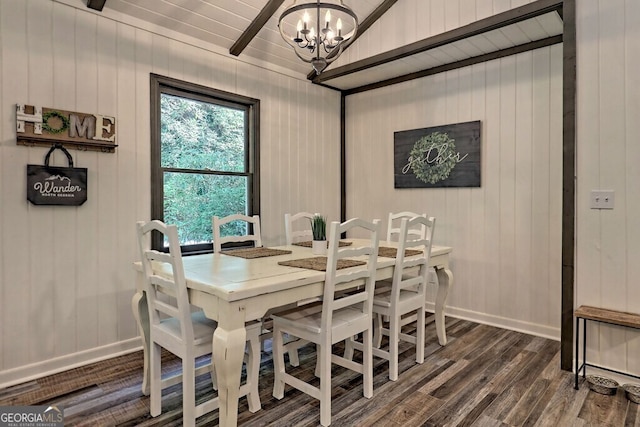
(234,290)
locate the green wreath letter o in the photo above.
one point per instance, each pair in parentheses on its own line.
(45,122)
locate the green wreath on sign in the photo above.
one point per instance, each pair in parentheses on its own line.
(433,157)
(45,122)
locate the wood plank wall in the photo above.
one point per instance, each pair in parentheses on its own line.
(507,234)
(65,273)
(65,282)
(608,60)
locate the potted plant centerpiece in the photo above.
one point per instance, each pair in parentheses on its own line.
(319,231)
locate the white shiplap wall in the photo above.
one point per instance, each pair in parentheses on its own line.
(608,158)
(507,234)
(66,279)
(65,282)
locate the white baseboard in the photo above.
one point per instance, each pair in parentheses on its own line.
(501,322)
(59,364)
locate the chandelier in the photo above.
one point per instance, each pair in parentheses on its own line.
(318,31)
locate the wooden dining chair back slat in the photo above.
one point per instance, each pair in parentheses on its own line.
(345,310)
(393,226)
(176,327)
(294,235)
(253,231)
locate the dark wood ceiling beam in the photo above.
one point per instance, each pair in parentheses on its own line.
(256,25)
(363,26)
(512,16)
(96,4)
(458,64)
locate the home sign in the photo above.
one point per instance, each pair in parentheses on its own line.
(36,125)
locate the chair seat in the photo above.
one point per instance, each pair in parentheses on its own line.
(310,318)
(203,328)
(383,299)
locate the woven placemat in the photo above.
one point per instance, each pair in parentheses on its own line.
(307,244)
(251,253)
(392,252)
(320,263)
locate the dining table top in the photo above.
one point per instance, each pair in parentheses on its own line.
(233,278)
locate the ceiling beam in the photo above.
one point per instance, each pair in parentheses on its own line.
(363,26)
(256,25)
(512,16)
(96,4)
(458,64)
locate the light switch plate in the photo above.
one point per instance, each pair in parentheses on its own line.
(602,199)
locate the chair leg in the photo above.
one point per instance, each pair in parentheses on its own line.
(324,357)
(348,348)
(253,369)
(188,392)
(394,332)
(294,360)
(367,363)
(278,364)
(214,379)
(316,372)
(156,380)
(377,330)
(420,335)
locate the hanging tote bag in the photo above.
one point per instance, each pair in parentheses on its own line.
(53,185)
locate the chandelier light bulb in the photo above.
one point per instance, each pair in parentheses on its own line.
(297,38)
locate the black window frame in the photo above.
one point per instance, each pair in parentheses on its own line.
(167,85)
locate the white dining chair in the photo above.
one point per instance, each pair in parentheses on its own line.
(419,232)
(252,228)
(186,334)
(294,235)
(405,297)
(339,316)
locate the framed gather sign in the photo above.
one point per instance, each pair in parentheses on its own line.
(439,156)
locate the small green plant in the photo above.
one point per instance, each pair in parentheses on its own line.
(319,227)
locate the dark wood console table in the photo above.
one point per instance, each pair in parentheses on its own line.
(612,317)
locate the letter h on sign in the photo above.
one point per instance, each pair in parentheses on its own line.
(35,118)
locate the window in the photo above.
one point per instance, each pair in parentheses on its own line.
(204,159)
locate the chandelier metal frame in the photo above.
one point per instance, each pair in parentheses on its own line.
(324,45)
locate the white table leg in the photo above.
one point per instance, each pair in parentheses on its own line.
(228,353)
(141,314)
(445,280)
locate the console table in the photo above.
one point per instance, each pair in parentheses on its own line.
(602,315)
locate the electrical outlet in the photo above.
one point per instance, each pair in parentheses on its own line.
(602,199)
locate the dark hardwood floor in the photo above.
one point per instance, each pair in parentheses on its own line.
(485,376)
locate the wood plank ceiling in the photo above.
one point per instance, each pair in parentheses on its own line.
(250,27)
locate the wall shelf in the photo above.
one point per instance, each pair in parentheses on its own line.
(103,147)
